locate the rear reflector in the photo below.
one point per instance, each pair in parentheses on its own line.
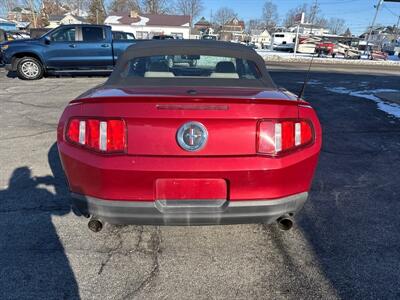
(99,135)
(281,136)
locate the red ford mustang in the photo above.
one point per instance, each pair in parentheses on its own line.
(206,138)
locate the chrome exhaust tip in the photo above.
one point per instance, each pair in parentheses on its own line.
(95,225)
(285,223)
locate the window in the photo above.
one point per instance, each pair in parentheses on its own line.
(177,35)
(122,36)
(64,35)
(92,34)
(191,66)
(142,35)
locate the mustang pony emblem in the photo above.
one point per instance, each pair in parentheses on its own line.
(192,136)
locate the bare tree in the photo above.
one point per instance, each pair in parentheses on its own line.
(291,14)
(313,13)
(7,6)
(336,25)
(223,15)
(156,6)
(97,12)
(124,5)
(347,32)
(79,5)
(270,15)
(190,8)
(35,7)
(254,24)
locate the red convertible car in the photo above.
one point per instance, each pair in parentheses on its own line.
(215,142)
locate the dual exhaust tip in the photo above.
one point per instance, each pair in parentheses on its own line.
(284,223)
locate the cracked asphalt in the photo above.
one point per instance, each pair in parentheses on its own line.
(345,244)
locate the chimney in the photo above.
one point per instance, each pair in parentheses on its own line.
(134,14)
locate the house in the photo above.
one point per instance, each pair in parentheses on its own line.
(145,26)
(261,37)
(382,36)
(68,18)
(233,30)
(7,25)
(202,25)
(20,14)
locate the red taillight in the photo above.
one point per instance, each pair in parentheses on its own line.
(73,131)
(99,135)
(280,136)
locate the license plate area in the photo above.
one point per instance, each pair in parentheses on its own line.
(190,195)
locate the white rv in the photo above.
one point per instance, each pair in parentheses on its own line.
(283,40)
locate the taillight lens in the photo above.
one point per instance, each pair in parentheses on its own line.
(106,136)
(276,137)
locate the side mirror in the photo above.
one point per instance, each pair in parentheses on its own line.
(47,40)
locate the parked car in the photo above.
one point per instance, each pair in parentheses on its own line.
(122,36)
(378,55)
(326,48)
(68,48)
(209,37)
(163,37)
(218,143)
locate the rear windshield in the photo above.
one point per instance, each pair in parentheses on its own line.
(191,66)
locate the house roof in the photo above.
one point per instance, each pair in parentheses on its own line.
(202,22)
(149,19)
(234,22)
(54,18)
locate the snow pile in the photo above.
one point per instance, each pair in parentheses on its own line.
(392,109)
(276,56)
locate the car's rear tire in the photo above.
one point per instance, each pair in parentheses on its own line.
(29,68)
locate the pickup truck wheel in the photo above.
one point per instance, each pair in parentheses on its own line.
(29,68)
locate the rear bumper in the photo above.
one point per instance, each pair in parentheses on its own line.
(189,212)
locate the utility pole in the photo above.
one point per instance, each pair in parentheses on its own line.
(378,6)
(397,26)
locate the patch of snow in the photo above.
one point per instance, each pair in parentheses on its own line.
(392,109)
(143,21)
(311,82)
(112,20)
(271,55)
(338,90)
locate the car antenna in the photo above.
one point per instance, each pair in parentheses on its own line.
(303,88)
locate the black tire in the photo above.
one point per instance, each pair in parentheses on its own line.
(29,68)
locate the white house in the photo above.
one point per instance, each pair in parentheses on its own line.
(145,26)
(68,18)
(261,37)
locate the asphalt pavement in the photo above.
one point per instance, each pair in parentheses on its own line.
(345,243)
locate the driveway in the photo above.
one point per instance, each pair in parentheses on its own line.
(345,244)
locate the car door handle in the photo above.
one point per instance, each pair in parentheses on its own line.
(105,45)
(72,45)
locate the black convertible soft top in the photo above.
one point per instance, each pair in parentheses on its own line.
(189,47)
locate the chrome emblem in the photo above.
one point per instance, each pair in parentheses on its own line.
(192,136)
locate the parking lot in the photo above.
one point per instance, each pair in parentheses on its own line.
(345,243)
